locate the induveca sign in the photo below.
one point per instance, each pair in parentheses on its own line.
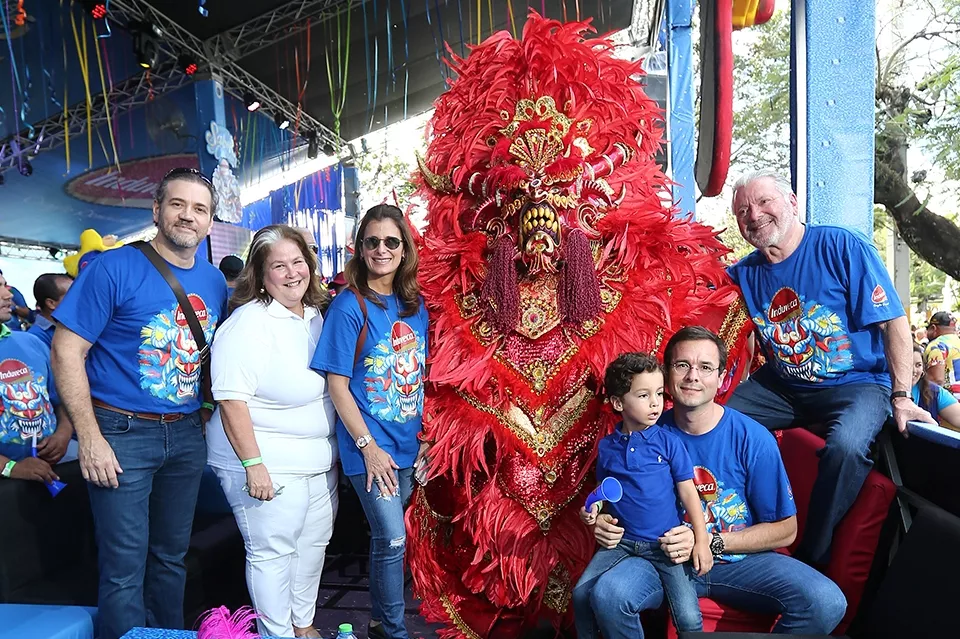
(132,186)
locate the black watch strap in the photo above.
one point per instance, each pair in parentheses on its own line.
(898,394)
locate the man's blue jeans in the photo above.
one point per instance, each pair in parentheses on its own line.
(388,539)
(852,415)
(143,527)
(676,579)
(767,582)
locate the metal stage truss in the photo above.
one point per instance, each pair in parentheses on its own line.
(220,53)
(265,30)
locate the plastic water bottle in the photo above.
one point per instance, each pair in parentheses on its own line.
(345,631)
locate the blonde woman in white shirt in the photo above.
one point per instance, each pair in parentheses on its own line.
(272,438)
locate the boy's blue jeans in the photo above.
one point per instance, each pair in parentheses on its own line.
(677,581)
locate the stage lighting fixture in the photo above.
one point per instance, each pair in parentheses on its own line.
(96,9)
(281,121)
(146,43)
(251,102)
(26,169)
(313,145)
(187,63)
(329,150)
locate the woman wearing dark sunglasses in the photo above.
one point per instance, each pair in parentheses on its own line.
(373,351)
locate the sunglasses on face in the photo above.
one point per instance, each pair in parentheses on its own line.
(372,242)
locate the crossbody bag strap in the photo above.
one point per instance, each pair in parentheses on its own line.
(185,306)
(363,331)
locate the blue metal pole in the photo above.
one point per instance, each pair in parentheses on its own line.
(832,97)
(681,126)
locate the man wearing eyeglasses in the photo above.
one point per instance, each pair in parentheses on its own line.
(747,503)
(836,341)
(128,371)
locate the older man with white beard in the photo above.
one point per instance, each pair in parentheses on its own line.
(836,341)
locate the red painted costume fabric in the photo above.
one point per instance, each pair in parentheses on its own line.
(548,252)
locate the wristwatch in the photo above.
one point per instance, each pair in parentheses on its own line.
(716,545)
(898,394)
(364,440)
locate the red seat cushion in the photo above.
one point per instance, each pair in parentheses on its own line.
(854,540)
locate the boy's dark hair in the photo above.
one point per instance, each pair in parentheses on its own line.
(695,334)
(619,375)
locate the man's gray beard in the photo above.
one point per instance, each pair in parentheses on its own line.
(181,243)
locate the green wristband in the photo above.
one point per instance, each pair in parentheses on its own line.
(208,406)
(253,461)
(8,469)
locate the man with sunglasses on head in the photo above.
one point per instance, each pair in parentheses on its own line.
(129,374)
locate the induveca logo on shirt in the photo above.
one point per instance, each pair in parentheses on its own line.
(27,411)
(169,357)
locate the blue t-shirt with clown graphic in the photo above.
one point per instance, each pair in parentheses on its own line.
(27,394)
(144,357)
(738,472)
(817,312)
(387,380)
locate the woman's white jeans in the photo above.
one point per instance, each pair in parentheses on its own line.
(286,541)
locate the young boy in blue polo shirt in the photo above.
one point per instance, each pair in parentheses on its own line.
(654,469)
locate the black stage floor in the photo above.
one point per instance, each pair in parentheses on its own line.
(345,598)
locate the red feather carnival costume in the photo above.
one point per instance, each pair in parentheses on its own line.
(549,251)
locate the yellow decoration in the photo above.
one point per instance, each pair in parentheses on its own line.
(90,242)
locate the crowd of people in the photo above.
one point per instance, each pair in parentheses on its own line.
(163,367)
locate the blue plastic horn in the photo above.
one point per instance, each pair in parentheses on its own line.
(54,486)
(608,490)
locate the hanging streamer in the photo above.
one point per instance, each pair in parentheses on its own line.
(406,58)
(366,56)
(393,71)
(15,76)
(25,118)
(106,22)
(106,104)
(66,100)
(343,65)
(436,44)
(85,73)
(460,16)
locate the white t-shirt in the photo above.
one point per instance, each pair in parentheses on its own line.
(261,356)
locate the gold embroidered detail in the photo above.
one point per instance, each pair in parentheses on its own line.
(542,510)
(457,619)
(737,315)
(529,427)
(469,304)
(539,311)
(537,148)
(559,590)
